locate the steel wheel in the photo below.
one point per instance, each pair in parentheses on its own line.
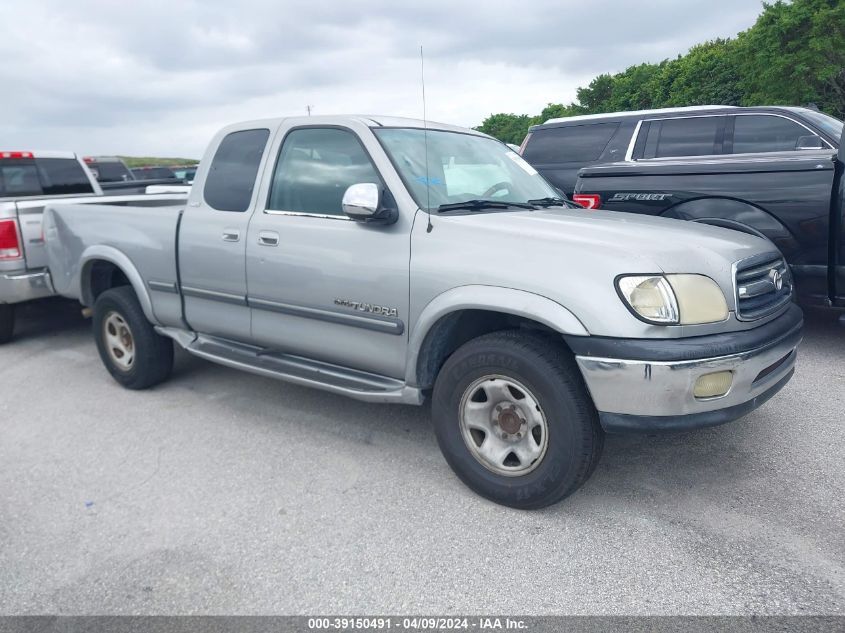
(119,341)
(503,425)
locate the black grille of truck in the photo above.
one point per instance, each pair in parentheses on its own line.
(763,286)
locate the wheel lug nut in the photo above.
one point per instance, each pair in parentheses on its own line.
(498,408)
(518,435)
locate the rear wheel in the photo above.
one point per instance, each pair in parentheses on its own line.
(514,419)
(133,352)
(7,322)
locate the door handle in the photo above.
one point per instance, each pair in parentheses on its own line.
(231,235)
(268,238)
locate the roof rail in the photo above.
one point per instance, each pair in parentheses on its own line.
(605,115)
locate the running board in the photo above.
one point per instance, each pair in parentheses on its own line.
(303,371)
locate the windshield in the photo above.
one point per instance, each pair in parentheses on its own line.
(461,167)
(826,123)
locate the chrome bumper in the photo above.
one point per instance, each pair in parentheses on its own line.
(23,285)
(656,395)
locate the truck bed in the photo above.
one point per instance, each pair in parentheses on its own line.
(146,236)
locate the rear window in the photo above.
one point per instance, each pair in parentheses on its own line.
(43,177)
(234,169)
(111,171)
(693,136)
(153,173)
(568,144)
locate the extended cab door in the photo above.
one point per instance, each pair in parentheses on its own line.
(213,235)
(320,284)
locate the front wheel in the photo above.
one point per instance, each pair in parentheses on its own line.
(514,419)
(7,322)
(133,352)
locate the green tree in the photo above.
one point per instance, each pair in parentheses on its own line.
(708,74)
(795,54)
(595,98)
(510,128)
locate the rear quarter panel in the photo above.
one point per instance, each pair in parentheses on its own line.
(139,240)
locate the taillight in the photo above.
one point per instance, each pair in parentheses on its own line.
(588,200)
(524,143)
(10,246)
(15,154)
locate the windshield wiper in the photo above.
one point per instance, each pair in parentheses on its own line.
(551,202)
(480,205)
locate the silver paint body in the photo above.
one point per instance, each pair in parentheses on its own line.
(268,278)
(27,279)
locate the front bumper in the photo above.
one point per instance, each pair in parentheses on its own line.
(648,385)
(24,285)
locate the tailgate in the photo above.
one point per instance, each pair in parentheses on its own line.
(29,219)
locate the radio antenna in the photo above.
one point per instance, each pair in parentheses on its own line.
(425,143)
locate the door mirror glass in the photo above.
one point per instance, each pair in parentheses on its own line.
(810,141)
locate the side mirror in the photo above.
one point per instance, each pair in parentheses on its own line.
(810,141)
(363,202)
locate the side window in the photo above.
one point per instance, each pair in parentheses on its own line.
(234,169)
(763,133)
(693,136)
(568,144)
(315,167)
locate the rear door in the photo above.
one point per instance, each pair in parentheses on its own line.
(680,137)
(212,236)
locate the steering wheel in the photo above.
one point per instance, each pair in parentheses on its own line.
(499,186)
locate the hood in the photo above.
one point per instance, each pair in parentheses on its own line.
(574,256)
(660,244)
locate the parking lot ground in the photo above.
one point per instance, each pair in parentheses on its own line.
(223,492)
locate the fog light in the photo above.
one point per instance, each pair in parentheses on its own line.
(713,385)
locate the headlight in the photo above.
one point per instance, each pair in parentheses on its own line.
(674,299)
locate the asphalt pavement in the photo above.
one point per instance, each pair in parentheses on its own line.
(222,492)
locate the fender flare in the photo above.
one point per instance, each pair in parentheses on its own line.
(495,299)
(738,215)
(112,255)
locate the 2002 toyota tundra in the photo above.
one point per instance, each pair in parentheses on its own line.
(390,261)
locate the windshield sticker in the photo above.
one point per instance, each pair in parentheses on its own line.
(528,169)
(429,181)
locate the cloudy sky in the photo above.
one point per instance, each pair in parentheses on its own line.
(158,78)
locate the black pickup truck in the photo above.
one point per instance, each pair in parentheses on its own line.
(793,196)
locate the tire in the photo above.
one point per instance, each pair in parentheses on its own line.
(7,322)
(485,378)
(137,361)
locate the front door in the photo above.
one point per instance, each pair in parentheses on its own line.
(321,285)
(212,237)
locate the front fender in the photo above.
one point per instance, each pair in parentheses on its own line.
(495,299)
(110,254)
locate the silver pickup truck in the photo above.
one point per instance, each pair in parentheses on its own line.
(28,181)
(393,261)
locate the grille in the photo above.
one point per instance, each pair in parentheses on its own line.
(757,281)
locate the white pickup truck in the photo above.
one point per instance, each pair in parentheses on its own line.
(28,181)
